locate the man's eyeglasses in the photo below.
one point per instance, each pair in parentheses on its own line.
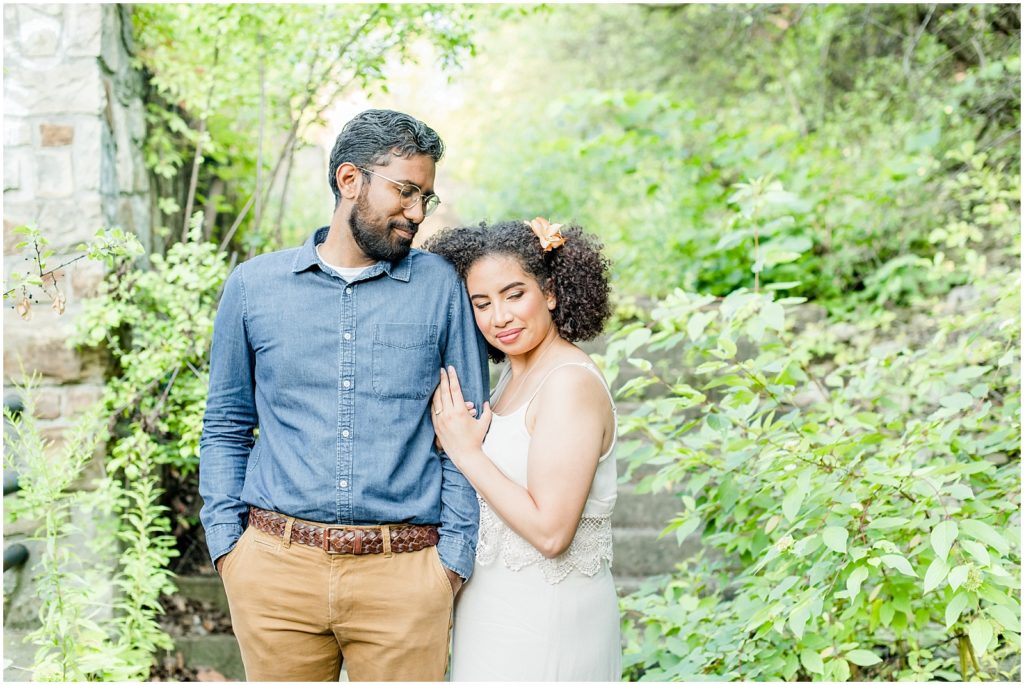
(410,195)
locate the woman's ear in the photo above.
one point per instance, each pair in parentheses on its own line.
(549,293)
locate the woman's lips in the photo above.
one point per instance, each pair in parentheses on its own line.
(508,337)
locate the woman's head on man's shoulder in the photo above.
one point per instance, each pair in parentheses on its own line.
(565,261)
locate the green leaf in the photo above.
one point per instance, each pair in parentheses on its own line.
(835,538)
(957,401)
(812,661)
(978,551)
(855,580)
(885,522)
(840,669)
(942,538)
(774,315)
(980,631)
(862,657)
(957,576)
(798,620)
(687,527)
(935,574)
(1005,616)
(791,503)
(698,322)
(955,607)
(899,563)
(985,533)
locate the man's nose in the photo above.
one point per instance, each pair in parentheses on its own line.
(414,214)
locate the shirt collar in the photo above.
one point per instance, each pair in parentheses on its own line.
(306,258)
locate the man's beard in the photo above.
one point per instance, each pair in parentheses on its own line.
(382,245)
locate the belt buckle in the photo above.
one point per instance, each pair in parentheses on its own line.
(327,539)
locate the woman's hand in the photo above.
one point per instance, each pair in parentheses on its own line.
(459,433)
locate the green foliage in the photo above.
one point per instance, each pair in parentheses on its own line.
(246,85)
(864,116)
(859,500)
(108,245)
(73,642)
(156,324)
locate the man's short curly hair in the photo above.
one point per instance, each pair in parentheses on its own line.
(577,273)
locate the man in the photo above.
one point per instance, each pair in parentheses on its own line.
(340,529)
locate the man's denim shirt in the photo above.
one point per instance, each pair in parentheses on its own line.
(338,378)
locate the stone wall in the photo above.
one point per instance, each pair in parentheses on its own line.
(74,126)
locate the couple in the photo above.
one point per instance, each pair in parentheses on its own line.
(338,526)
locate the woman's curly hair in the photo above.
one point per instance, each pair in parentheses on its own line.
(576,272)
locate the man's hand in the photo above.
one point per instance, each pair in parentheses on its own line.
(455,579)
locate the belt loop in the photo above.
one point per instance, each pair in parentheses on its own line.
(385,532)
(288,532)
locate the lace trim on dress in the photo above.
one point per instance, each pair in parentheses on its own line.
(591,546)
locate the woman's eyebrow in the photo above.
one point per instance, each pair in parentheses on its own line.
(514,284)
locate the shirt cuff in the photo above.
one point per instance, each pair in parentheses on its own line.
(221,539)
(457,556)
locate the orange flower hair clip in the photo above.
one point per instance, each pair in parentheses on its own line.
(550,235)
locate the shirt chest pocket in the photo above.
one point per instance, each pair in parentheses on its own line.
(406,364)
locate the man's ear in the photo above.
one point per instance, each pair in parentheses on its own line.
(349,180)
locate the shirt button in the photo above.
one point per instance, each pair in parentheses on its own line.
(343,484)
(346,384)
(345,433)
(348,291)
(347,336)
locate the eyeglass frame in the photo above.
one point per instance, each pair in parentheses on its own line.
(424,198)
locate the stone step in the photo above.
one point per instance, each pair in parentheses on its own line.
(646,510)
(627,585)
(18,656)
(640,552)
(205,589)
(218,652)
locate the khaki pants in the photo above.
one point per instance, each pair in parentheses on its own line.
(296,609)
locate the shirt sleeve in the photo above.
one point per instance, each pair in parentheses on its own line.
(228,423)
(460,512)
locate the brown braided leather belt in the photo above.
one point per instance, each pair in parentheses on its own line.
(345,539)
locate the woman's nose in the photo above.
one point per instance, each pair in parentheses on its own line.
(502,315)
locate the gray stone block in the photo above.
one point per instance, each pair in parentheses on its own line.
(71,87)
(19,654)
(55,178)
(203,588)
(219,652)
(639,552)
(647,510)
(83,30)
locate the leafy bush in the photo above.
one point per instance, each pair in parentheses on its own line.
(867,129)
(859,499)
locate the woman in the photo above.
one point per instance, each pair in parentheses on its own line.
(542,603)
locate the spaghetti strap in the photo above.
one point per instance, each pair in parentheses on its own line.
(611,400)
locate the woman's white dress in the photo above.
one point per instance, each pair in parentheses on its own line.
(523,617)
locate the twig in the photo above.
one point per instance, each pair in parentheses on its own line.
(311,90)
(238,222)
(194,180)
(52,271)
(284,193)
(909,52)
(258,211)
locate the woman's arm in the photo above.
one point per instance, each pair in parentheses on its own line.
(569,417)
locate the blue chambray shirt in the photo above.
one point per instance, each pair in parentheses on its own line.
(338,378)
